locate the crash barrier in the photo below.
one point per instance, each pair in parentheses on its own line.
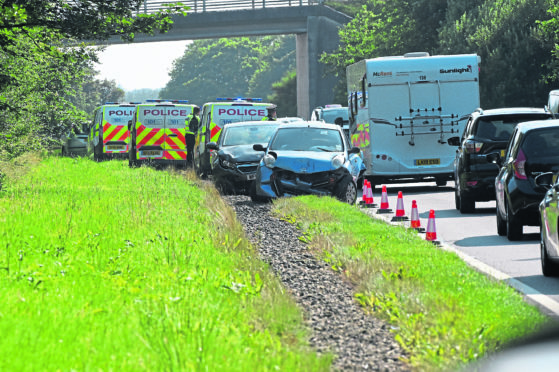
(415,223)
(201,6)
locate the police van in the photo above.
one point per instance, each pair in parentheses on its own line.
(214,116)
(108,135)
(157,133)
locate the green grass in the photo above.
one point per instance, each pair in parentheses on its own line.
(107,268)
(444,313)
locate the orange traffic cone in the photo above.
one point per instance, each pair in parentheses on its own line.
(415,222)
(370,200)
(384,208)
(400,213)
(365,196)
(431,234)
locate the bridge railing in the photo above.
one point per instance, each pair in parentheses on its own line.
(200,6)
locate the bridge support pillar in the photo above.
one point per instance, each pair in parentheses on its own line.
(314,86)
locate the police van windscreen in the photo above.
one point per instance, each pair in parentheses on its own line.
(233,114)
(118,115)
(157,117)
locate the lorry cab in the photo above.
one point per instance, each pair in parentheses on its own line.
(157,133)
(108,135)
(214,116)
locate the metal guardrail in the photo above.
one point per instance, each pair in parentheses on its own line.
(201,6)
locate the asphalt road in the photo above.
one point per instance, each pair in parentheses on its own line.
(474,237)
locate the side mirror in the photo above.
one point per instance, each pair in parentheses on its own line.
(546,180)
(212,146)
(354,150)
(258,147)
(454,141)
(494,157)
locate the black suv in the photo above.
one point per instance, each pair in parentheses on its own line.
(486,132)
(533,152)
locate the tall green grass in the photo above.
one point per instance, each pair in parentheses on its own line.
(107,268)
(444,313)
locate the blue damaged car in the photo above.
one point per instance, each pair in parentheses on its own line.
(307,158)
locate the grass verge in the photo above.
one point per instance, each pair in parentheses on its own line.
(445,314)
(103,267)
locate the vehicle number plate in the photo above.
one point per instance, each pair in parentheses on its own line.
(116,147)
(251,177)
(503,153)
(151,153)
(427,162)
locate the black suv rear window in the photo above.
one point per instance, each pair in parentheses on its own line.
(500,127)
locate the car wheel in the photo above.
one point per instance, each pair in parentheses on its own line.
(254,196)
(549,268)
(501,224)
(440,182)
(467,203)
(346,191)
(456,198)
(514,226)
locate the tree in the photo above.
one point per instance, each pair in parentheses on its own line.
(43,66)
(285,95)
(230,68)
(515,54)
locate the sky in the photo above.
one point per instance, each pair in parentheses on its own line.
(140,65)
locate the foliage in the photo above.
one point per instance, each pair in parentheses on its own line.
(515,53)
(283,95)
(93,92)
(514,59)
(230,68)
(126,288)
(46,75)
(443,312)
(140,95)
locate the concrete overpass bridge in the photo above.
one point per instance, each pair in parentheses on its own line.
(314,24)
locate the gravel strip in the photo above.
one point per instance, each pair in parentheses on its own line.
(337,322)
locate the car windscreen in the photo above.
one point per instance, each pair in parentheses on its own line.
(247,135)
(500,127)
(307,139)
(541,146)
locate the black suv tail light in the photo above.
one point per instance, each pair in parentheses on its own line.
(472,147)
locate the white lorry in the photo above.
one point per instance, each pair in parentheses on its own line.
(404,108)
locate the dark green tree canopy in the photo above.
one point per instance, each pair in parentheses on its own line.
(233,67)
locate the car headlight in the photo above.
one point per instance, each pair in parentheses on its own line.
(226,163)
(338,161)
(269,160)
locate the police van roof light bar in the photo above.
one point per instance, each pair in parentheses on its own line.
(239,99)
(111,103)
